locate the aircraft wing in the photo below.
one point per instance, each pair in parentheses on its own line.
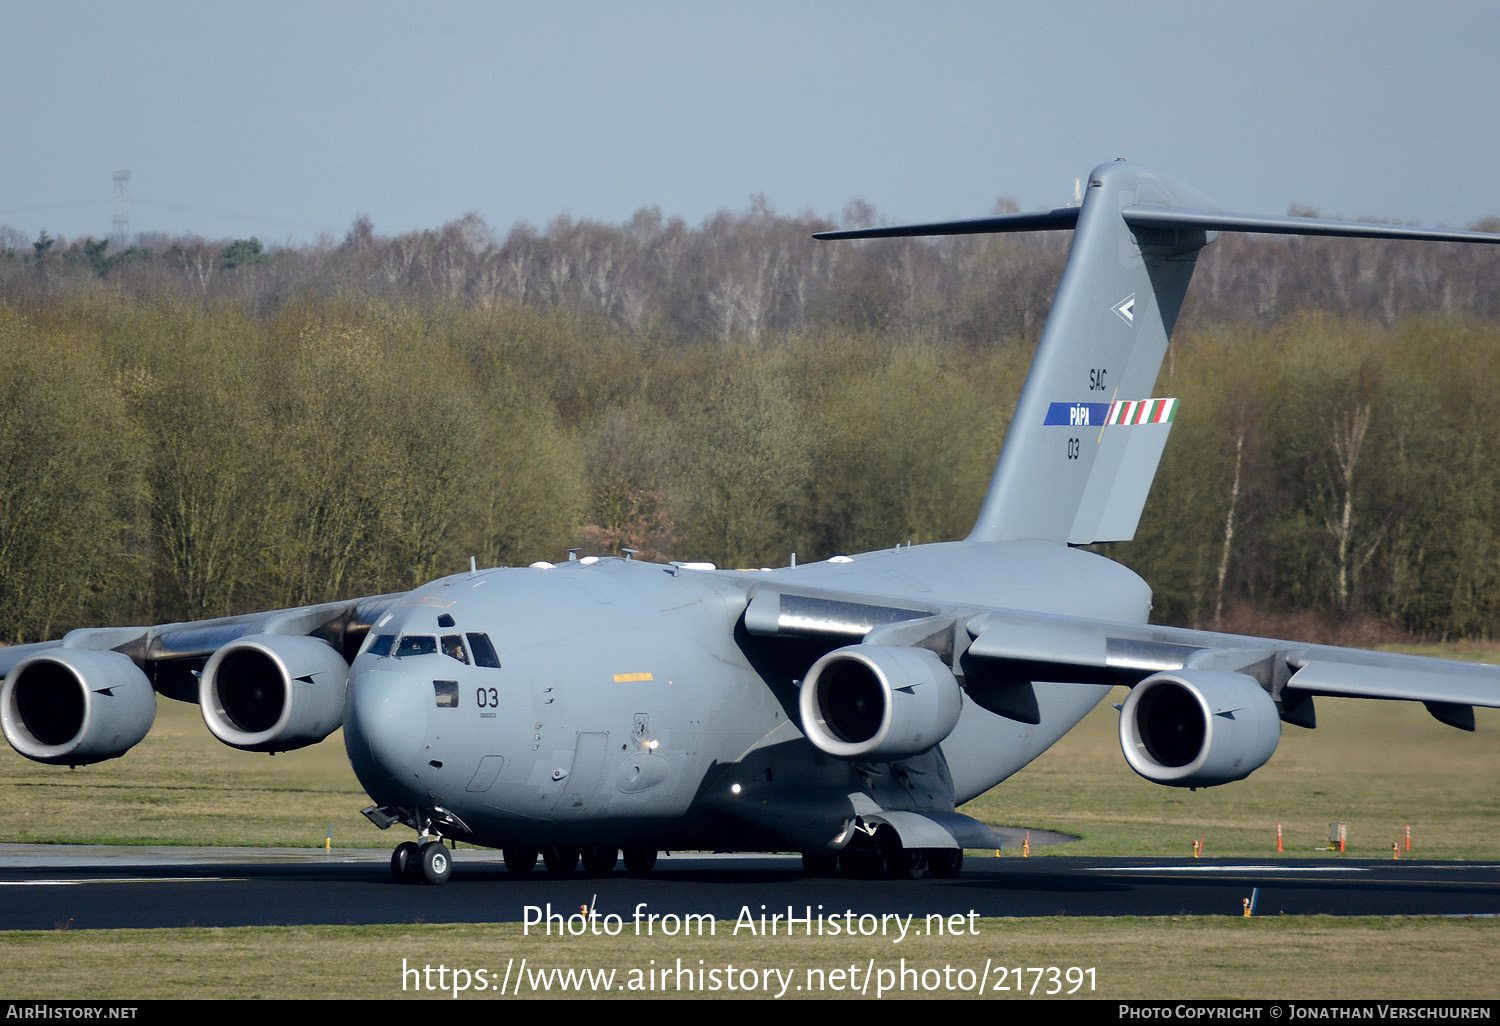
(1128,653)
(1026,646)
(1204,708)
(270,681)
(341,624)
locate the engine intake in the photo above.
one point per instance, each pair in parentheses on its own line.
(873,702)
(73,707)
(1198,728)
(273,693)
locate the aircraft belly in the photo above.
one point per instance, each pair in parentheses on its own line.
(985,748)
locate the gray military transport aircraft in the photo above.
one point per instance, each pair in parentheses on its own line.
(842,709)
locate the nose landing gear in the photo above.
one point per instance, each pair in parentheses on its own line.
(426,862)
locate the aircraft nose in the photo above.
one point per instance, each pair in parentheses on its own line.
(385,726)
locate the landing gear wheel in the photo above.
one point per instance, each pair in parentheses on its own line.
(560,861)
(436,862)
(639,861)
(599,860)
(403,859)
(945,863)
(907,863)
(819,865)
(519,861)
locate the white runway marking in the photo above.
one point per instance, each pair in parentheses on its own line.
(1378,867)
(121,879)
(1230,869)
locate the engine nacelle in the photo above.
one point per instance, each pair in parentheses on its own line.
(1198,728)
(74,706)
(273,693)
(876,703)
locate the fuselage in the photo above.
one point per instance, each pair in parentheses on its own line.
(618,701)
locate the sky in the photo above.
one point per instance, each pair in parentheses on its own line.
(287,120)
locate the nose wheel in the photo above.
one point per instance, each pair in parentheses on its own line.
(428,862)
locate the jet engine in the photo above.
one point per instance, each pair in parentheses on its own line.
(273,693)
(74,706)
(876,703)
(1198,728)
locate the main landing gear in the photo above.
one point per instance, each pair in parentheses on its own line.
(871,858)
(597,859)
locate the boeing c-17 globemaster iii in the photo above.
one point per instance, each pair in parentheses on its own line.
(843,709)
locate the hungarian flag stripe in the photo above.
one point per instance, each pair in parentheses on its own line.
(1142,411)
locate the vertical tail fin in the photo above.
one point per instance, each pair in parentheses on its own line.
(1067,473)
(1087,436)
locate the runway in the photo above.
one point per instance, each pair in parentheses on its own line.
(44,887)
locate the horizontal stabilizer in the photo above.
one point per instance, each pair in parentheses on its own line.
(1137,234)
(1224,221)
(1038,221)
(1155,216)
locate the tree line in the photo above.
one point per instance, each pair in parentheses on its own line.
(755,275)
(200,429)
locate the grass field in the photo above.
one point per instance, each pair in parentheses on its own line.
(1375,766)
(1253,959)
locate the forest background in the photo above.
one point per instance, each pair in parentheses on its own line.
(195,428)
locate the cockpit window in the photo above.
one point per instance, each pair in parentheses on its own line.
(381,646)
(415,645)
(484,652)
(453,647)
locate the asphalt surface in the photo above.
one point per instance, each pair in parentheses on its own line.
(44,887)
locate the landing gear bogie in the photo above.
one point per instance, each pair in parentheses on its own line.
(599,860)
(639,860)
(520,861)
(560,861)
(945,863)
(883,856)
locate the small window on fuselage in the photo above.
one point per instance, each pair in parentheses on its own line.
(416,644)
(382,645)
(446,693)
(484,652)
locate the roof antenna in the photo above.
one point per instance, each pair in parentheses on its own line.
(473,565)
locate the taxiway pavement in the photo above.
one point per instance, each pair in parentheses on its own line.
(45,887)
